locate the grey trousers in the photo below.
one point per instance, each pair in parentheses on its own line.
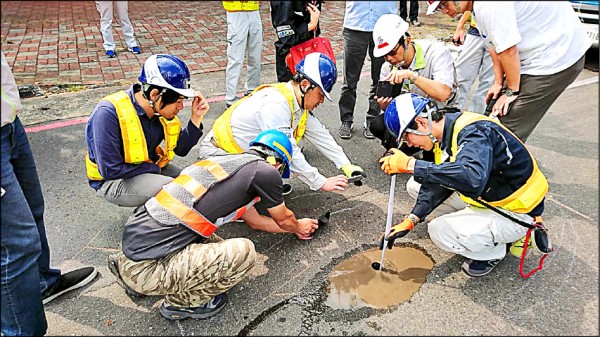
(356,45)
(537,95)
(474,58)
(135,191)
(105,8)
(244,35)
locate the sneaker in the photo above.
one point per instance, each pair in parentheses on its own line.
(287,189)
(346,130)
(415,23)
(517,247)
(70,281)
(135,50)
(113,266)
(207,310)
(366,128)
(110,54)
(476,268)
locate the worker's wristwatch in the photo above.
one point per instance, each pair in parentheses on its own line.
(415,76)
(509,92)
(413,218)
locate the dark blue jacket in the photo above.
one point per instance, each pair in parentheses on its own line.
(105,143)
(491,163)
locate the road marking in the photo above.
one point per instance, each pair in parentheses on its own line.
(583,82)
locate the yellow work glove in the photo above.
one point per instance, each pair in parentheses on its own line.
(397,231)
(354,173)
(163,158)
(395,161)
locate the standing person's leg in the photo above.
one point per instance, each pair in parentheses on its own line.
(255,41)
(283,72)
(467,66)
(122,9)
(105,8)
(414,13)
(237,36)
(374,108)
(25,263)
(538,93)
(486,78)
(403,10)
(356,44)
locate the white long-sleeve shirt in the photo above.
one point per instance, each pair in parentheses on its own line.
(269,109)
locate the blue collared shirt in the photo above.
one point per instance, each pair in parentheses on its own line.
(105,143)
(362,15)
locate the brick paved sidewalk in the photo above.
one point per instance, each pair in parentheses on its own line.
(50,43)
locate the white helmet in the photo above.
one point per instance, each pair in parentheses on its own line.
(387,32)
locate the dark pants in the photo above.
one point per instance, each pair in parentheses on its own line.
(414,10)
(26,271)
(356,44)
(283,72)
(537,95)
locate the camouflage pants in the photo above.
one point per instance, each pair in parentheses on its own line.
(192,276)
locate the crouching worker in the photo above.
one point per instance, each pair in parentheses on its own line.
(486,163)
(169,245)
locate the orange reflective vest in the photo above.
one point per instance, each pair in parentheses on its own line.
(222,125)
(174,204)
(238,6)
(134,142)
(524,199)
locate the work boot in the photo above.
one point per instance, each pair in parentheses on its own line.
(476,268)
(206,310)
(346,130)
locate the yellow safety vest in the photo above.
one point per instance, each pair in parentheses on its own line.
(174,204)
(134,142)
(238,6)
(524,199)
(222,125)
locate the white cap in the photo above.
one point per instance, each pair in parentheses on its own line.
(433,5)
(387,32)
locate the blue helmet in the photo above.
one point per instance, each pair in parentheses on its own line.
(402,111)
(167,71)
(320,70)
(278,145)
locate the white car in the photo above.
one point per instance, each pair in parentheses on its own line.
(587,11)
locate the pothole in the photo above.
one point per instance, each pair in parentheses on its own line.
(355,284)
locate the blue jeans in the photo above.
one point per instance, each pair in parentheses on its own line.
(25,263)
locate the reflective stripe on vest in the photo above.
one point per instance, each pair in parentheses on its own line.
(174,204)
(135,148)
(524,199)
(222,125)
(237,6)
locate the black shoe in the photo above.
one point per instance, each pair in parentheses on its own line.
(70,281)
(113,266)
(287,189)
(346,130)
(207,310)
(476,268)
(367,128)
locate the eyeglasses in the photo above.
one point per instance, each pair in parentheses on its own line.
(394,51)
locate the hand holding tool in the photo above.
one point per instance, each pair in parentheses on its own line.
(395,161)
(398,231)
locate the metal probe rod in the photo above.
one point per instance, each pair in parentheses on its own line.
(388,222)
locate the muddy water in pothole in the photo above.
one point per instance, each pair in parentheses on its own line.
(354,283)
